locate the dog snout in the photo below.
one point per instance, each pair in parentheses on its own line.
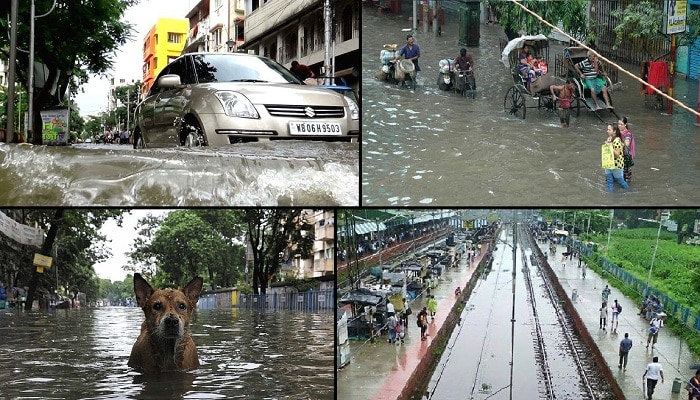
(171,321)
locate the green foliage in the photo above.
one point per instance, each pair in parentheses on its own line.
(692,33)
(639,20)
(75,39)
(189,243)
(276,236)
(514,19)
(301,285)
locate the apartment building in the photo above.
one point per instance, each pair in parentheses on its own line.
(288,30)
(216,26)
(163,43)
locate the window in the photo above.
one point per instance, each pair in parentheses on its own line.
(174,37)
(216,37)
(346,33)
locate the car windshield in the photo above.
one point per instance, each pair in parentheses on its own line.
(240,68)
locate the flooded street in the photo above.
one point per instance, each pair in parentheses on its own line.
(431,147)
(83,353)
(293,173)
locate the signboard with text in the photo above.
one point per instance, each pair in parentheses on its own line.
(674,16)
(55,130)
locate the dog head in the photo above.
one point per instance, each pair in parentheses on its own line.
(168,311)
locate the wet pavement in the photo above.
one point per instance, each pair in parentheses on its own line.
(381,370)
(431,147)
(674,355)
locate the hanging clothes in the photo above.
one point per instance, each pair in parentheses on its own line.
(658,76)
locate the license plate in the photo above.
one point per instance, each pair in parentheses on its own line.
(315,128)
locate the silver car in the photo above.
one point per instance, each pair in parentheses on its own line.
(211,99)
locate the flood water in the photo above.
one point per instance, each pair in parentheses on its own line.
(431,147)
(83,353)
(254,174)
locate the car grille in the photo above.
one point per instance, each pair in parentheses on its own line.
(305,111)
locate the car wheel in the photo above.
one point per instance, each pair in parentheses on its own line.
(192,135)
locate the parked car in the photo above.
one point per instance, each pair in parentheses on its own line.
(211,99)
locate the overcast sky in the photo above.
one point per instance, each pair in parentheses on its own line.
(120,241)
(128,61)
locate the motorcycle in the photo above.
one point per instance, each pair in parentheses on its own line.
(466,84)
(445,80)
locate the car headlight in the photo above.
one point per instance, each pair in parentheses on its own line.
(354,109)
(236,105)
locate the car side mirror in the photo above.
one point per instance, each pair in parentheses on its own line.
(169,81)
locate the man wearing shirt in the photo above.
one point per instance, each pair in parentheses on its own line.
(652,374)
(589,69)
(625,347)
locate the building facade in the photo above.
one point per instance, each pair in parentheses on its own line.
(163,43)
(216,26)
(287,30)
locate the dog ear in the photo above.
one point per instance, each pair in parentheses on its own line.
(142,289)
(193,288)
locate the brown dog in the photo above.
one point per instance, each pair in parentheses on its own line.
(165,343)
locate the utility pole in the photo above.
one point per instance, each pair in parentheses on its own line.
(30,111)
(415,16)
(328,25)
(436,8)
(128,110)
(11,75)
(426,7)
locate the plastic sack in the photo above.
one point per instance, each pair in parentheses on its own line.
(607,156)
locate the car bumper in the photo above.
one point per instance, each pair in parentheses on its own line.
(221,129)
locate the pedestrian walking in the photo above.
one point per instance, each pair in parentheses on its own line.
(390,310)
(613,160)
(605,294)
(693,387)
(625,347)
(391,324)
(423,322)
(616,308)
(603,316)
(654,328)
(400,333)
(652,374)
(432,307)
(405,312)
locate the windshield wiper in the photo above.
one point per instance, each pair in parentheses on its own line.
(246,80)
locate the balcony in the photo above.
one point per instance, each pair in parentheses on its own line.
(324,265)
(326,232)
(273,14)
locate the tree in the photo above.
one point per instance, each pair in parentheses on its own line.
(188,243)
(571,13)
(20,107)
(95,33)
(276,236)
(93,128)
(78,247)
(639,20)
(685,219)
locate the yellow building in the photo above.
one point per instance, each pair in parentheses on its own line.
(163,43)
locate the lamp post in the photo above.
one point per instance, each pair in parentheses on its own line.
(607,247)
(653,257)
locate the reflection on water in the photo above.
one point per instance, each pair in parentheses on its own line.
(431,147)
(72,354)
(290,173)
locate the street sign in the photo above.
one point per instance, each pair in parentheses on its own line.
(42,261)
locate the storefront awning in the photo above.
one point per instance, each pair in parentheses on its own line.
(367,227)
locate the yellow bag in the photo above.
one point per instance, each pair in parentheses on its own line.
(608,156)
